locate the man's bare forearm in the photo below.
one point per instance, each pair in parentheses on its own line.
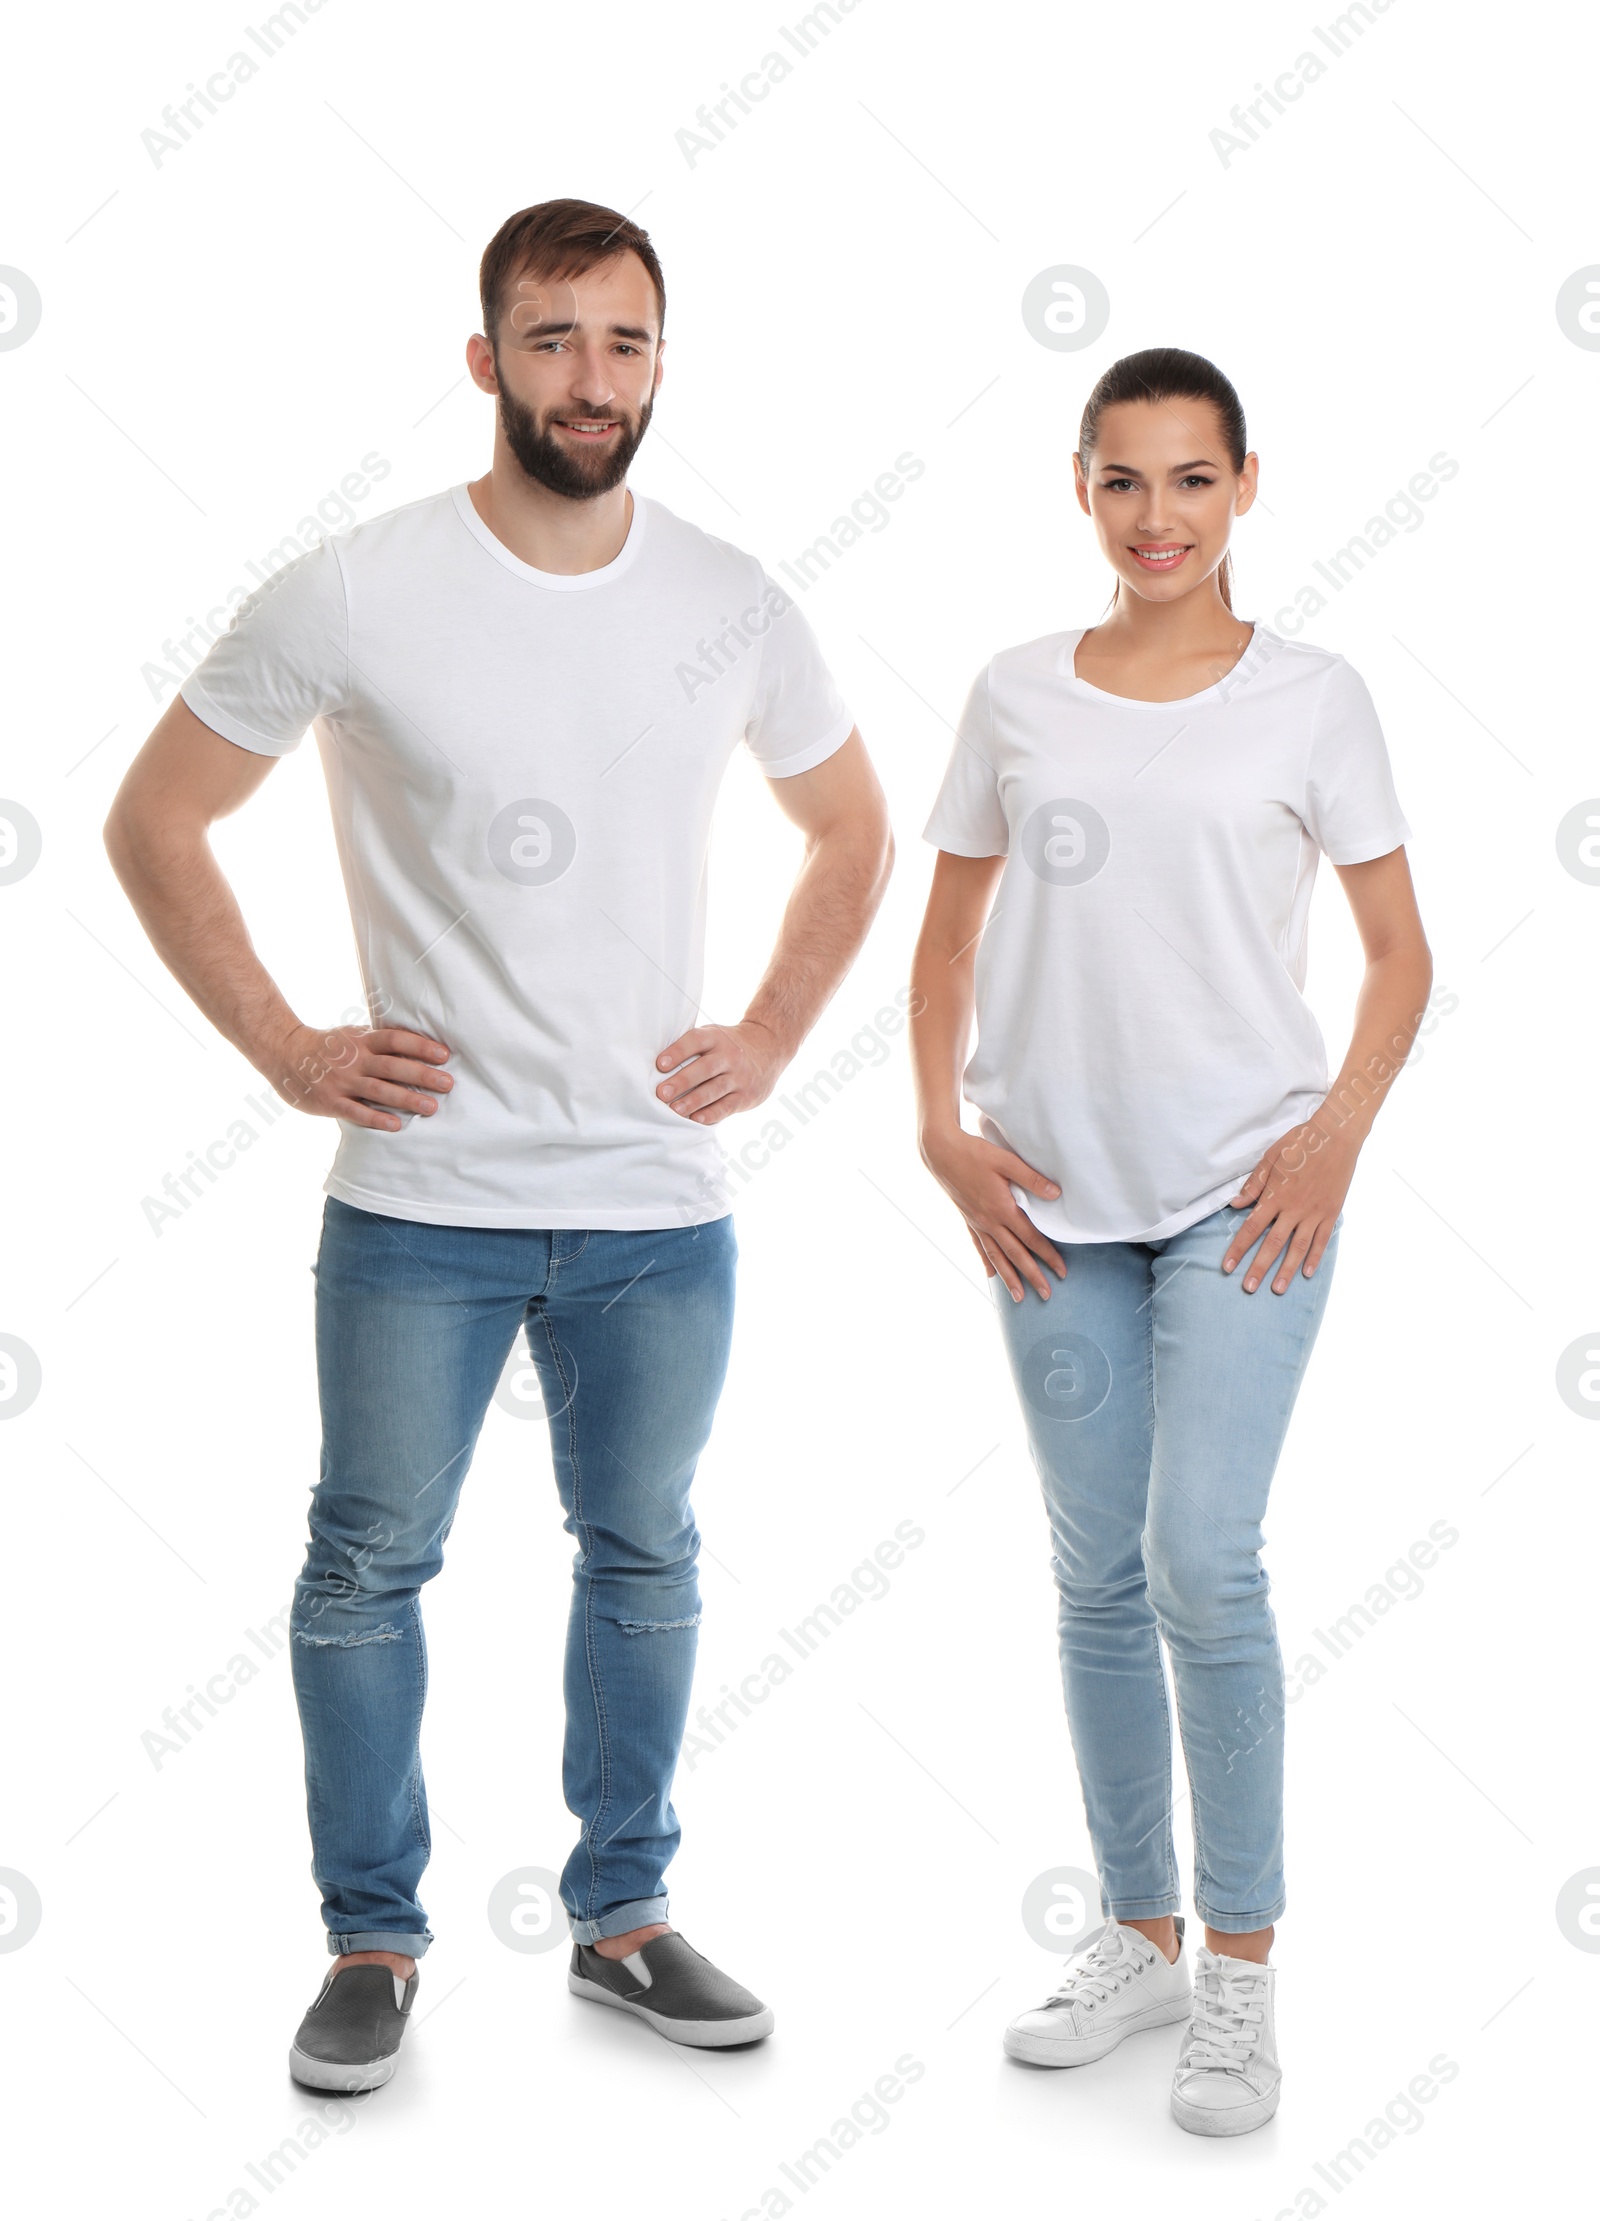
(830,909)
(195,925)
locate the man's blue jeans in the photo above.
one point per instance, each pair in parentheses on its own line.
(629,1333)
(1157,1395)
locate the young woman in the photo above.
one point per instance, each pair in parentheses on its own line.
(1158,1179)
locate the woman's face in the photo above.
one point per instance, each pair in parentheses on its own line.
(1163,495)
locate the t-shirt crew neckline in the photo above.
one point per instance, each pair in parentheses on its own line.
(558,582)
(1257,642)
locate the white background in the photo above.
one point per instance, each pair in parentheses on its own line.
(224,336)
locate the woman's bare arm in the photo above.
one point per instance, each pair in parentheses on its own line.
(973,1172)
(1297,1190)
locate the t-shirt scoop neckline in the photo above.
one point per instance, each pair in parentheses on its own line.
(1218,690)
(1142,1030)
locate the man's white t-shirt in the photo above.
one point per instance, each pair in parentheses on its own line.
(522,768)
(1142,1035)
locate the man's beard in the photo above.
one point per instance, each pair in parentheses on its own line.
(564,470)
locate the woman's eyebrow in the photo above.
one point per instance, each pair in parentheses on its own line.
(1128,470)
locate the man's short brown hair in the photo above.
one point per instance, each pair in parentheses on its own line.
(559,239)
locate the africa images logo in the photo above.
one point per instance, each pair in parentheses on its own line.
(532,842)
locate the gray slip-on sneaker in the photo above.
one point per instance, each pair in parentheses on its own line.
(350,2037)
(682,1996)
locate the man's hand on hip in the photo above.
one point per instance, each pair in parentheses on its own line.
(362,1074)
(717,1070)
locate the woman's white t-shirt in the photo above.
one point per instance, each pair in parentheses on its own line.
(1142,1034)
(522,767)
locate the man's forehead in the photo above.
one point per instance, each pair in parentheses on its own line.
(617,290)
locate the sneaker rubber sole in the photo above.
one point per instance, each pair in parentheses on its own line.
(1078,2051)
(704,2035)
(333,2074)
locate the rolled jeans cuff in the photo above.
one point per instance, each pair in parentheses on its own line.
(1242,1924)
(1148,1908)
(642,1913)
(406,1945)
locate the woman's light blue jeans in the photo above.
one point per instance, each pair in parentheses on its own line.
(629,1333)
(1157,1395)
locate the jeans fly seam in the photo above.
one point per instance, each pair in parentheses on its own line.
(557,1260)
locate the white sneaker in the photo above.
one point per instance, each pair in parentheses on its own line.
(1118,1982)
(1227,2078)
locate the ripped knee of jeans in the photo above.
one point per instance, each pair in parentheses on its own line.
(656,1626)
(387,1633)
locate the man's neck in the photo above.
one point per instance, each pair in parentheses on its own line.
(551,531)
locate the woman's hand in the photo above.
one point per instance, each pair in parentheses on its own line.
(976,1176)
(1293,1197)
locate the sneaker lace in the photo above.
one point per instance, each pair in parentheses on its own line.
(1226,2020)
(1091,1977)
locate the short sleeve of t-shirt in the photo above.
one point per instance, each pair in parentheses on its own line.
(1351,809)
(798,718)
(282,662)
(968,819)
